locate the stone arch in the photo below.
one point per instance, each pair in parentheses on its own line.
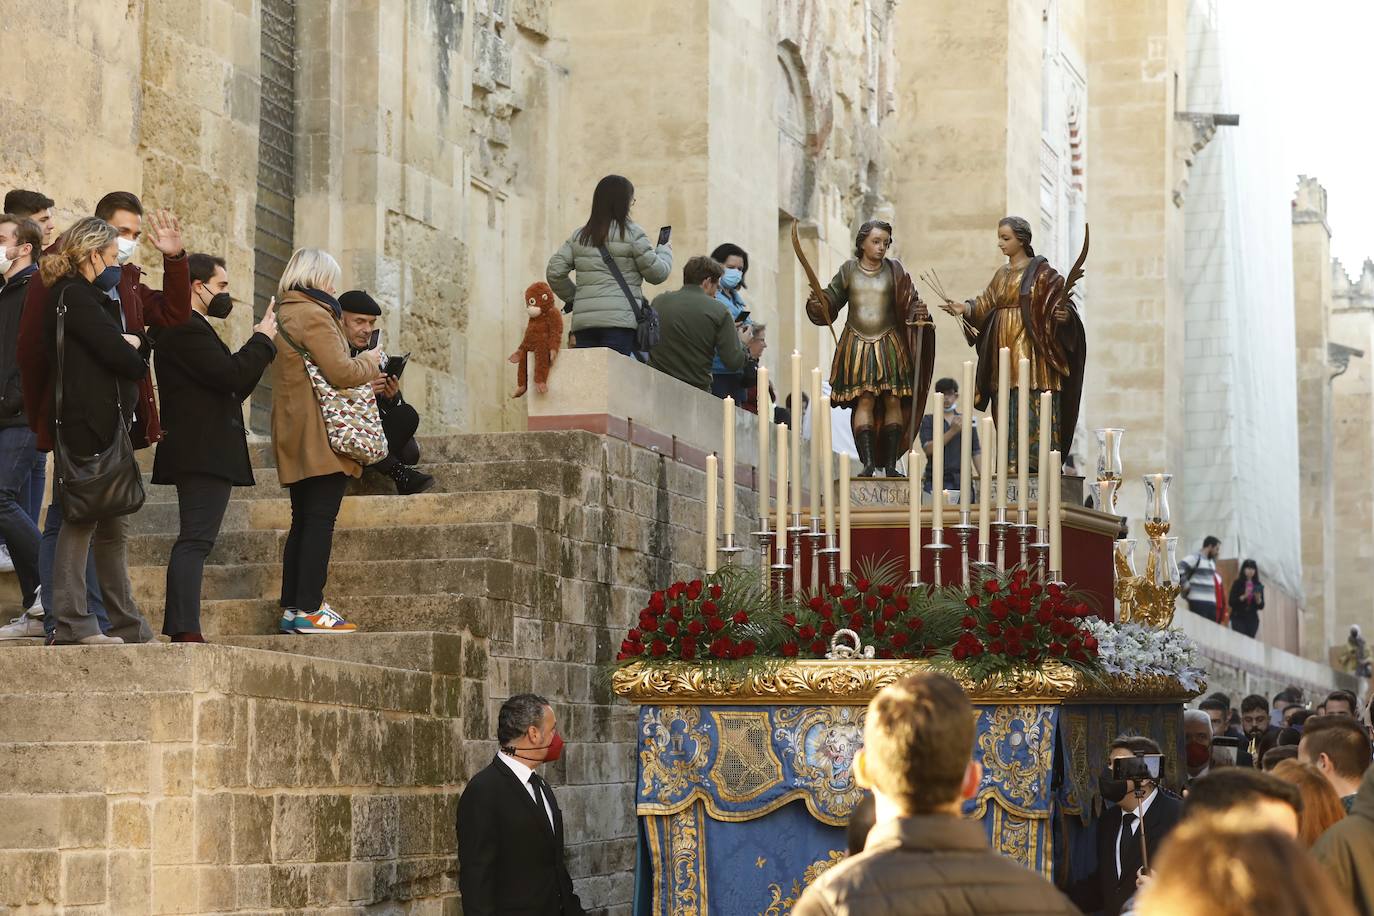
(795,117)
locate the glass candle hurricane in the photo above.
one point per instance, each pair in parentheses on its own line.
(1109,452)
(1156,516)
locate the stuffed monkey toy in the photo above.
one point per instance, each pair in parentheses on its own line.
(543,337)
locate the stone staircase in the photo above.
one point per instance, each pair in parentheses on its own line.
(339,758)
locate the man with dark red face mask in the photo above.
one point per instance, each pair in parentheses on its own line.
(510,828)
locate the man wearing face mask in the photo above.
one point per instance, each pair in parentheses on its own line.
(1119,860)
(204,449)
(510,828)
(1197,743)
(140,308)
(20,243)
(735,260)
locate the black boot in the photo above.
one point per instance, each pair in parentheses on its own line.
(407,479)
(863,441)
(892,449)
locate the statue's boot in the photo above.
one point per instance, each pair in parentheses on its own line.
(892,447)
(863,441)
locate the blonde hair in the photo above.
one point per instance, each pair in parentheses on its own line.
(310,268)
(74,246)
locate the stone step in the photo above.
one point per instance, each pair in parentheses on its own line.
(493,540)
(441,653)
(370,613)
(477,577)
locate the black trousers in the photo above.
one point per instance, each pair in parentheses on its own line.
(1245,621)
(399,423)
(201,501)
(315,505)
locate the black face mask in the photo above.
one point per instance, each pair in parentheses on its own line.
(220,305)
(1112,790)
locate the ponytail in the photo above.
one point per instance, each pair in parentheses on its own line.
(74,246)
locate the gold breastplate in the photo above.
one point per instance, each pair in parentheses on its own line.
(870,302)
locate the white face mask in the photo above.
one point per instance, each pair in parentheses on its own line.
(126,250)
(6,262)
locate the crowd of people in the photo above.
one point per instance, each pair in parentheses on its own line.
(96,365)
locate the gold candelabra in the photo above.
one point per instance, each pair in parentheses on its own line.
(1148,599)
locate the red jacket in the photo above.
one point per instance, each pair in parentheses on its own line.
(143,308)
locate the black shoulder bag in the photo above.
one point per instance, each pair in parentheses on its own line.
(100,486)
(646,316)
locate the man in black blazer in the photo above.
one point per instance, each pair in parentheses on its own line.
(1119,861)
(510,828)
(204,449)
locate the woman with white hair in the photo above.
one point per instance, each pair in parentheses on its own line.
(316,475)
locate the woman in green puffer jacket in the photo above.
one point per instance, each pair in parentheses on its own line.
(602,316)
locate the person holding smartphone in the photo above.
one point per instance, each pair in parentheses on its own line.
(399,420)
(735,260)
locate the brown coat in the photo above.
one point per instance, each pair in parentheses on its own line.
(298,434)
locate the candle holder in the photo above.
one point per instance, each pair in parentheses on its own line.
(1150,598)
(781,568)
(1041,549)
(1000,527)
(816,537)
(937,548)
(1109,452)
(730,550)
(1024,533)
(830,555)
(765,549)
(1104,494)
(795,532)
(964,532)
(1157,504)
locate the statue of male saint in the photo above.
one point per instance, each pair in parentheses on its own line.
(1027,308)
(873,371)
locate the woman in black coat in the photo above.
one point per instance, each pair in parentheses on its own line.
(97,389)
(1247,599)
(204,449)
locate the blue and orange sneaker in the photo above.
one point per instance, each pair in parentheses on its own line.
(325,620)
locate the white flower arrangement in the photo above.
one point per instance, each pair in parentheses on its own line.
(1135,650)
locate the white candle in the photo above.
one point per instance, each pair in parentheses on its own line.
(989,443)
(1023,435)
(844,516)
(968,396)
(1003,418)
(1159,496)
(937,463)
(795,445)
(710,513)
(815,445)
(828,465)
(782,493)
(915,468)
(728,457)
(1056,516)
(765,421)
(1046,435)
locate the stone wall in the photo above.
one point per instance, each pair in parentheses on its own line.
(1352,394)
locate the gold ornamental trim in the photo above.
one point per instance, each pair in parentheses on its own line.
(849,682)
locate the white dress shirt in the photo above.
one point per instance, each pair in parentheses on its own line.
(523,773)
(1139,813)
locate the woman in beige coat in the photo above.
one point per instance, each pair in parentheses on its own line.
(315,475)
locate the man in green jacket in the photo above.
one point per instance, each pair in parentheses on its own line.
(1346,849)
(695,326)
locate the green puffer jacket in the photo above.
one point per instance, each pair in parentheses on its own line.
(598,301)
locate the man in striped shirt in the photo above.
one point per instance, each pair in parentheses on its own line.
(1198,573)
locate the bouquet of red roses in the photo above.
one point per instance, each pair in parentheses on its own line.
(697,621)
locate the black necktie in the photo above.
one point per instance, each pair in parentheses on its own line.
(540,799)
(1127,841)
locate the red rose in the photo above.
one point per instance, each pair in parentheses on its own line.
(836,590)
(716,591)
(827,612)
(675,612)
(670,628)
(976,648)
(879,628)
(900,639)
(695,627)
(789,649)
(828,629)
(621,656)
(740,618)
(850,605)
(994,628)
(646,618)
(694,589)
(1078,655)
(634,635)
(789,620)
(915,624)
(1081,610)
(999,612)
(996,647)
(649,624)
(871,602)
(656,602)
(959,653)
(807,631)
(1055,591)
(716,624)
(972,601)
(862,584)
(709,607)
(658,648)
(887,591)
(902,603)
(675,591)
(689,648)
(720,649)
(1044,617)
(816,603)
(1075,644)
(1032,655)
(748,647)
(889,612)
(968,623)
(990,586)
(1035,589)
(1056,649)
(818,647)
(1090,643)
(856,621)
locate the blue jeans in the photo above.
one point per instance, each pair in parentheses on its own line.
(17,448)
(621,340)
(47,553)
(32,496)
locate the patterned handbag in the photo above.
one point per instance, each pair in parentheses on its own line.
(351,418)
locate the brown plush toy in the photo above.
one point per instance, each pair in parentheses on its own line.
(543,337)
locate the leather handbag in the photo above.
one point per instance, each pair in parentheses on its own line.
(648,332)
(100,486)
(351,418)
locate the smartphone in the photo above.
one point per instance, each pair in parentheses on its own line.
(663,234)
(1225,749)
(374,339)
(395,365)
(1139,767)
(742,316)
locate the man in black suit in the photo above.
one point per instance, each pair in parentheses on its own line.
(1119,861)
(1218,709)
(204,450)
(510,828)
